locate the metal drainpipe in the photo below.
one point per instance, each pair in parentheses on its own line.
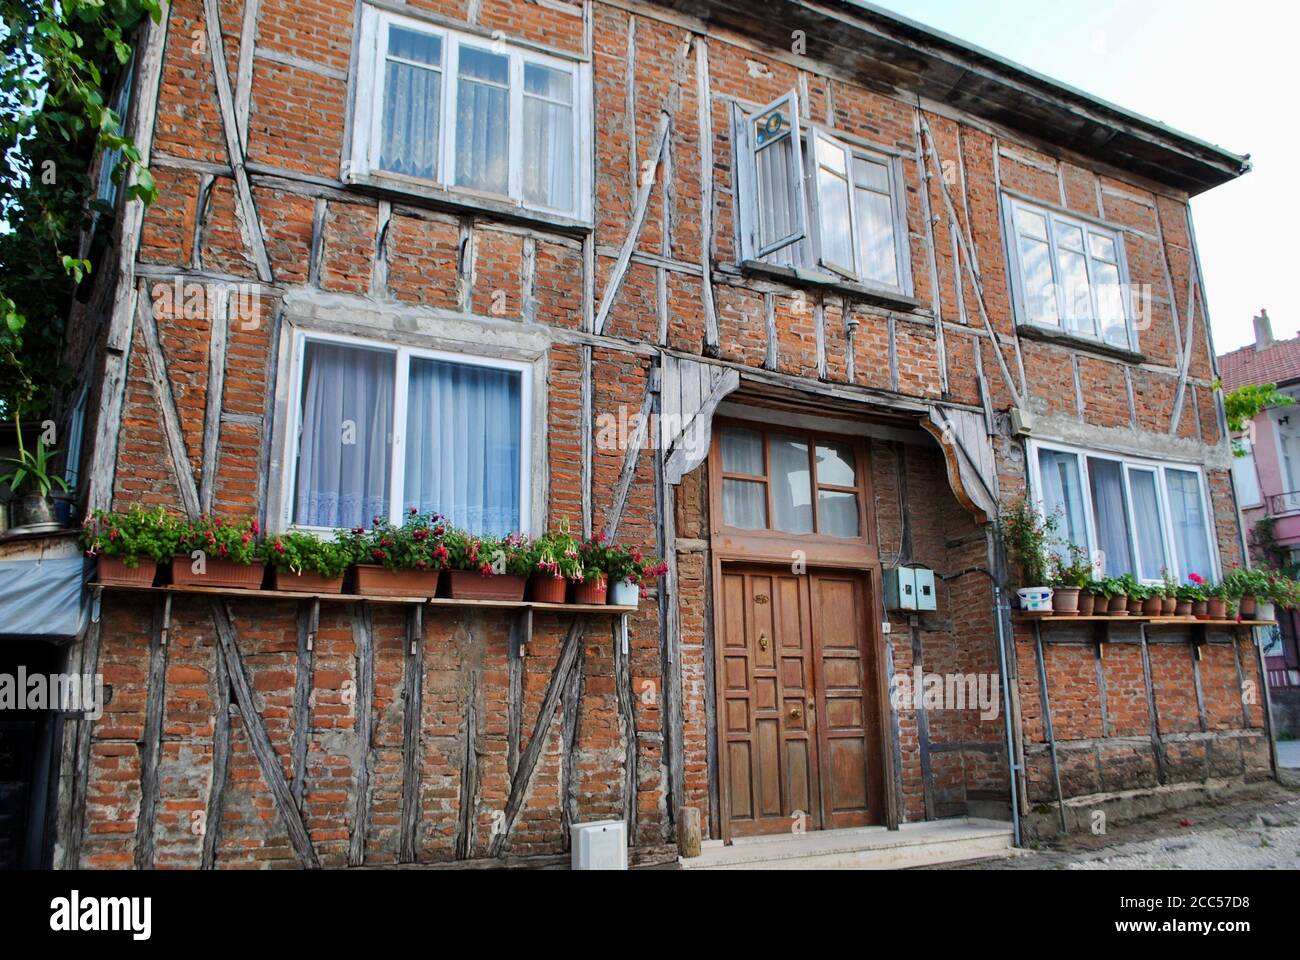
(1012,767)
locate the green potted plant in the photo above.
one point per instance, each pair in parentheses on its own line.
(1028,536)
(1201,592)
(1070,575)
(31,481)
(593,586)
(554,565)
(1168,593)
(487,568)
(629,570)
(399,561)
(1135,593)
(1217,596)
(1187,597)
(129,546)
(307,563)
(1283,593)
(1094,598)
(216,552)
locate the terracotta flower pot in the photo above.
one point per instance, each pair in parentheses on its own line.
(472,585)
(544,588)
(1183,608)
(1247,608)
(594,592)
(1199,608)
(1118,606)
(113,572)
(1167,606)
(305,582)
(1065,600)
(1218,608)
(1087,603)
(1135,607)
(218,573)
(1152,606)
(377,581)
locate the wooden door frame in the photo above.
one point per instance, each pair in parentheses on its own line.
(771,549)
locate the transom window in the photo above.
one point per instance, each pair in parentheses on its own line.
(1134,516)
(811,200)
(791,482)
(1068,273)
(475,115)
(379,429)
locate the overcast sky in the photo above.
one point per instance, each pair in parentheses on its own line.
(1221,72)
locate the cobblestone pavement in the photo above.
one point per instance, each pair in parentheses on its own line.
(1259,831)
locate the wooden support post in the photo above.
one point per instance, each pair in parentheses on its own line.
(923,730)
(162,389)
(151,746)
(362,636)
(308,615)
(569,750)
(1152,714)
(520,632)
(1099,640)
(1047,722)
(76,821)
(412,715)
(704,103)
(627,727)
(469,774)
(220,761)
(220,313)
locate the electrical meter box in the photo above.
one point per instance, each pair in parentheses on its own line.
(910,588)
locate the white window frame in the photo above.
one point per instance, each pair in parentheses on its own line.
(1127,463)
(806,235)
(1011,238)
(367,134)
(402,356)
(1250,466)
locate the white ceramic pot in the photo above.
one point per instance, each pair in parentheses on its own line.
(1264,611)
(1035,599)
(624,594)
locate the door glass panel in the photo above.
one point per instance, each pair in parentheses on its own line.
(835,465)
(744,504)
(791,485)
(742,452)
(838,512)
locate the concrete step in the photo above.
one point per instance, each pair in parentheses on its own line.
(864,848)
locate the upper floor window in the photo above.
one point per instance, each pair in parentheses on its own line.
(1068,273)
(473,115)
(790,481)
(1138,517)
(1246,477)
(379,429)
(808,199)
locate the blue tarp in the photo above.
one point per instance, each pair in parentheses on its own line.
(42,599)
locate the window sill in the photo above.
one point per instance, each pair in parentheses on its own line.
(458,200)
(817,280)
(1084,344)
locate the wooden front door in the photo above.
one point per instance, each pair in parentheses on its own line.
(798,716)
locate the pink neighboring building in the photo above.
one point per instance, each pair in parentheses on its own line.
(1268,478)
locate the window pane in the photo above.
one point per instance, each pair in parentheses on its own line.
(835,465)
(791,485)
(1036,271)
(1031,224)
(744,504)
(876,237)
(777,213)
(1246,477)
(463,435)
(344,446)
(742,452)
(869,174)
(1191,527)
(412,104)
(829,155)
(1110,516)
(1074,283)
(1068,236)
(838,512)
(482,121)
(548,138)
(1103,248)
(1150,525)
(836,222)
(1063,495)
(1110,304)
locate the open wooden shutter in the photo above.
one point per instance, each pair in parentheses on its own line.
(832,202)
(768,164)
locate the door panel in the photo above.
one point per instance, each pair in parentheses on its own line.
(849,732)
(770,733)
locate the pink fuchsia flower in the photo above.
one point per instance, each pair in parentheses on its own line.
(377,554)
(486,570)
(255,528)
(279,547)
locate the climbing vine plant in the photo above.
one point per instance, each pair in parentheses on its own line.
(1243,405)
(59,59)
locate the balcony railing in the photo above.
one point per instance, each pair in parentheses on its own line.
(1281,504)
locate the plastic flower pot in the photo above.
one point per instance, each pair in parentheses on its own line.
(544,588)
(305,582)
(472,585)
(1087,603)
(1118,606)
(1065,600)
(217,573)
(376,581)
(624,594)
(1264,610)
(591,592)
(113,572)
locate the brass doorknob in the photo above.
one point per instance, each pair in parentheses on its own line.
(796,712)
(762,641)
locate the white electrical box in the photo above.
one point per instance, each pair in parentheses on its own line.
(925,598)
(600,845)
